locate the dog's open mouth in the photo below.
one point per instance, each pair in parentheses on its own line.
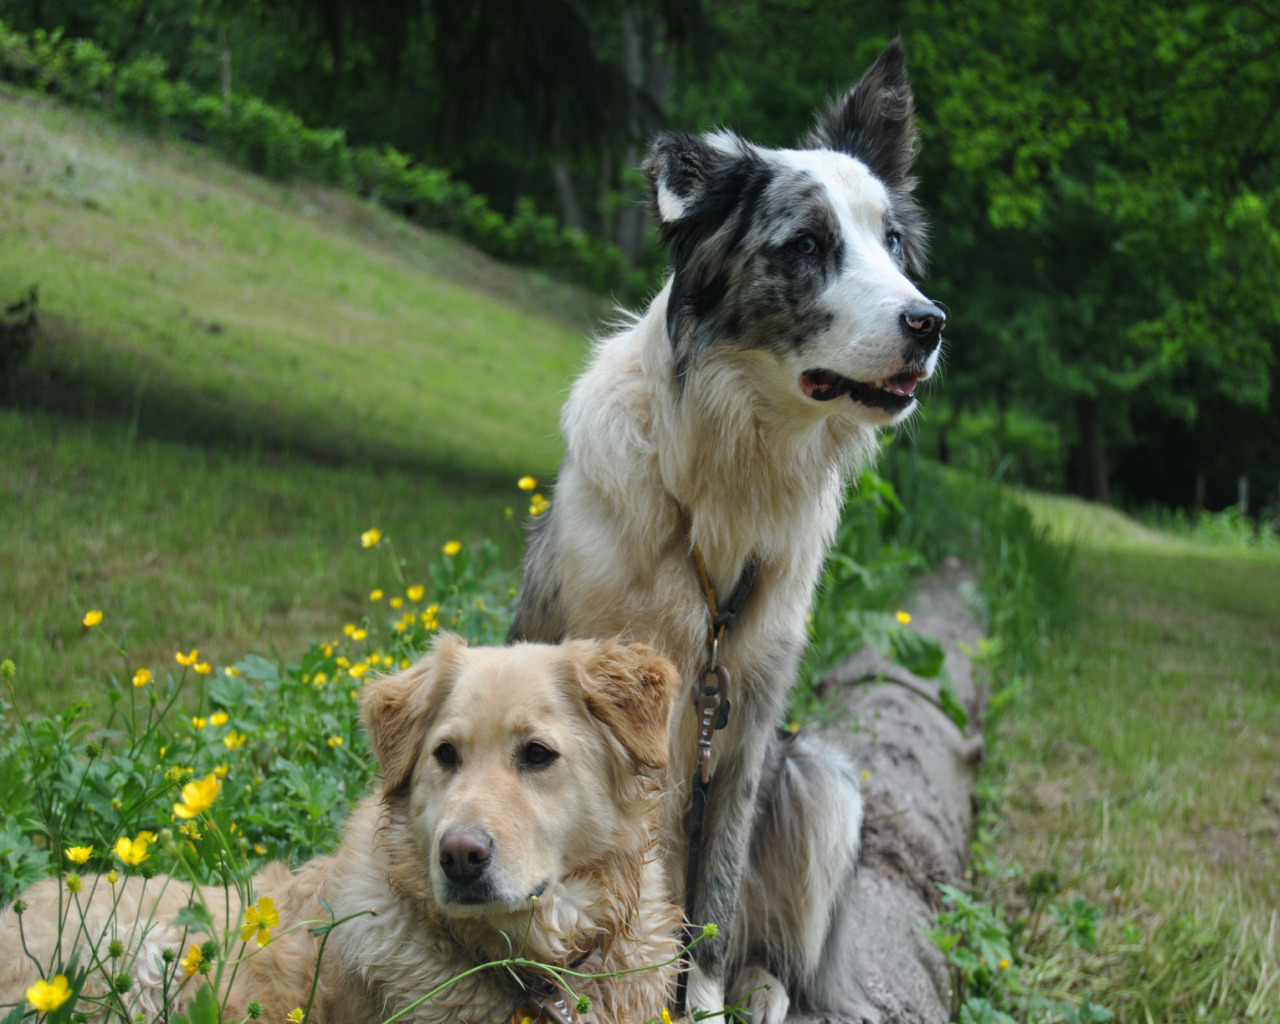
(892,393)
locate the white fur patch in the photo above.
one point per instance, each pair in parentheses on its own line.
(670,205)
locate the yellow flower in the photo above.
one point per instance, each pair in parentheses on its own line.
(405,663)
(356,671)
(49,995)
(1004,963)
(320,678)
(666,1017)
(396,602)
(74,882)
(113,876)
(341,662)
(415,592)
(295,1015)
(198,796)
(142,677)
(92,617)
(903,617)
(189,830)
(370,538)
(259,849)
(132,851)
(261,919)
(526,483)
(204,668)
(230,671)
(452,548)
(191,962)
(234,740)
(538,505)
(79,854)
(359,634)
(349,628)
(335,741)
(218,718)
(221,770)
(375,595)
(199,723)
(187,659)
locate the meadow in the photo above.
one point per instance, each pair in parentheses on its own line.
(236,382)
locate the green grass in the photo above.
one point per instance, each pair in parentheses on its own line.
(1142,771)
(182,547)
(203,303)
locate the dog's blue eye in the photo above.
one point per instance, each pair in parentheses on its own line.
(893,242)
(807,246)
(535,755)
(446,755)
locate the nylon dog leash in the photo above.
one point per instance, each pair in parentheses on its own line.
(711,696)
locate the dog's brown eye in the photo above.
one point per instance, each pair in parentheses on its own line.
(446,755)
(535,755)
(807,246)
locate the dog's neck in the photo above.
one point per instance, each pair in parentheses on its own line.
(755,473)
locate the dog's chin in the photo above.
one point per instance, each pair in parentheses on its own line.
(882,401)
(482,898)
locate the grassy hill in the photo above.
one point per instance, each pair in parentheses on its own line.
(233,379)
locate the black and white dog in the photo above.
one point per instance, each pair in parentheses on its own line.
(724,422)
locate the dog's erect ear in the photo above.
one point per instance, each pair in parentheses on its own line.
(396,708)
(693,183)
(630,688)
(875,120)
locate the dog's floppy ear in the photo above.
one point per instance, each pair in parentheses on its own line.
(396,708)
(875,120)
(693,182)
(630,688)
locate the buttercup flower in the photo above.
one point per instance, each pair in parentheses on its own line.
(189,830)
(295,1015)
(349,628)
(903,617)
(187,659)
(218,718)
(526,483)
(199,723)
(74,882)
(113,876)
(49,995)
(396,602)
(230,671)
(335,741)
(261,919)
(142,677)
(356,671)
(370,538)
(415,592)
(375,595)
(452,548)
(92,617)
(221,770)
(198,796)
(204,668)
(666,1017)
(79,854)
(359,634)
(191,962)
(538,505)
(132,851)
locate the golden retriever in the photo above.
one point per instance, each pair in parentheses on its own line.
(516,818)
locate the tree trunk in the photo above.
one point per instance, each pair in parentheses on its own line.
(1093,464)
(918,775)
(570,208)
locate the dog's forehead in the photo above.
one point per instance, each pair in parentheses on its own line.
(849,186)
(507,687)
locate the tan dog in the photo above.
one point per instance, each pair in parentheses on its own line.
(508,774)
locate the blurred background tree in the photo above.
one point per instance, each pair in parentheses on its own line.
(1103,177)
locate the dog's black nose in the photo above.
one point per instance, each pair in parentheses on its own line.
(923,322)
(464,855)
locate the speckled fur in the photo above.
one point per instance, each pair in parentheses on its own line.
(696,407)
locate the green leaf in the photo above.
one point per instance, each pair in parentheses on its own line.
(196,918)
(917,653)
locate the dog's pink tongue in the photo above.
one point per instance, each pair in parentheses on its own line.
(904,384)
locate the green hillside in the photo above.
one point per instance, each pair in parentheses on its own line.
(205,304)
(232,380)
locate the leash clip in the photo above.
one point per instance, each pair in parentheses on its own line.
(713,712)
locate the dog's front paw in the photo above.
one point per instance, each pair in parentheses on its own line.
(762,995)
(706,994)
